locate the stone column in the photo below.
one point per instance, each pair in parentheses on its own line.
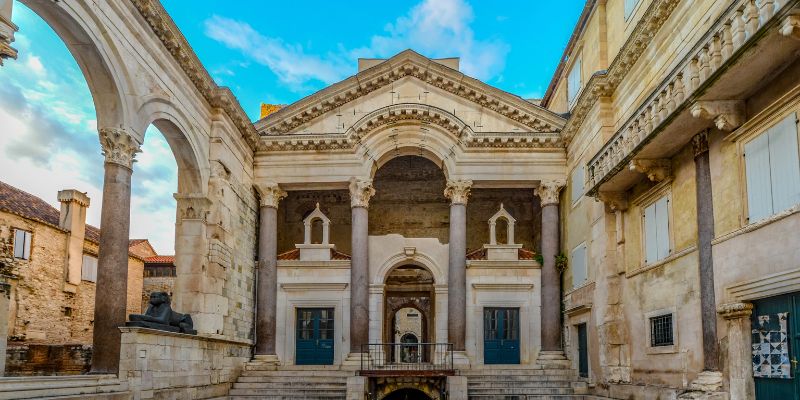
(267,292)
(111,291)
(740,363)
(548,192)
(458,193)
(361,191)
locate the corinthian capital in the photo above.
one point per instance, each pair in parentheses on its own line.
(361,191)
(458,191)
(119,146)
(548,191)
(271,194)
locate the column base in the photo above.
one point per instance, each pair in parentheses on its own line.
(707,381)
(353,361)
(356,387)
(460,360)
(553,359)
(267,359)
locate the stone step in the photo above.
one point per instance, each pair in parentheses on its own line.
(528,371)
(320,373)
(521,378)
(303,379)
(78,386)
(289,385)
(533,397)
(334,396)
(309,390)
(520,391)
(505,384)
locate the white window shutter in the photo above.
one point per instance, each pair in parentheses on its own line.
(757,169)
(580,273)
(19,243)
(650,240)
(27,251)
(574,80)
(577,183)
(662,227)
(784,164)
(89,268)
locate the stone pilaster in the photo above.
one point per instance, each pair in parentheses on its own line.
(739,358)
(111,293)
(361,191)
(267,293)
(458,193)
(548,192)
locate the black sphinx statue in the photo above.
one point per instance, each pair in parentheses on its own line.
(159,315)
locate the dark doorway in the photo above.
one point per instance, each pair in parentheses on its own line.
(407,394)
(583,352)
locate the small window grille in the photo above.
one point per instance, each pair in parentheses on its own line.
(661,331)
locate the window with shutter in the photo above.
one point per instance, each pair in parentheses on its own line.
(580,272)
(772,170)
(574,81)
(656,231)
(577,183)
(22,244)
(89,268)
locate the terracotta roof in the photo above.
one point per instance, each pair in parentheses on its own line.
(480,254)
(160,260)
(295,255)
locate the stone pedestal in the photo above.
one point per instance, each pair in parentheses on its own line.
(555,359)
(739,358)
(111,293)
(457,387)
(356,387)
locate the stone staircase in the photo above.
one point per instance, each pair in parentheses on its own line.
(292,382)
(520,383)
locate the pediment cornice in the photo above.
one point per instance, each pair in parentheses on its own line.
(410,64)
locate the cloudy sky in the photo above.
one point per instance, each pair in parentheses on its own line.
(273,52)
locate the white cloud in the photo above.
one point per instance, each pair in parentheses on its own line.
(434,28)
(35,65)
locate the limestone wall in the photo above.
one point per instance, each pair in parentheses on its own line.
(161,364)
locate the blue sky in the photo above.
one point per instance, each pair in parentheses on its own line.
(274,52)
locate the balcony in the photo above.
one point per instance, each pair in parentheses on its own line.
(749,44)
(407,359)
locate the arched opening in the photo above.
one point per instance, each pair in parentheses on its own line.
(501,230)
(408,313)
(407,394)
(316,231)
(409,199)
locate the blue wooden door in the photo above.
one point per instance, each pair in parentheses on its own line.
(501,335)
(776,347)
(314,336)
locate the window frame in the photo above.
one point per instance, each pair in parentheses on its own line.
(673,348)
(751,133)
(27,244)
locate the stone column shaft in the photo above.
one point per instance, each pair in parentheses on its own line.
(705,234)
(267,289)
(361,191)
(458,193)
(551,280)
(111,290)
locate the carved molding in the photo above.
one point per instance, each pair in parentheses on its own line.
(656,170)
(616,201)
(192,206)
(700,143)
(790,27)
(119,146)
(548,191)
(270,194)
(361,191)
(735,310)
(410,64)
(458,191)
(605,84)
(7,29)
(727,114)
(174,41)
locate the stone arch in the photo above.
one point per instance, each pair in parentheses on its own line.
(418,258)
(87,39)
(392,390)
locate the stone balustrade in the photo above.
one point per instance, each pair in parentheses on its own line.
(741,23)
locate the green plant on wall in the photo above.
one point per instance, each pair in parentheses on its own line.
(561,262)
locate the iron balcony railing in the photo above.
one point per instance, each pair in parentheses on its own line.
(404,358)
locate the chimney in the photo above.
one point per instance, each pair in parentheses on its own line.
(73,220)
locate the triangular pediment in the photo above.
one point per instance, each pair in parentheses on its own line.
(506,112)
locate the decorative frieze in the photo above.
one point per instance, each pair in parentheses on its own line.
(548,191)
(361,191)
(727,114)
(458,191)
(700,143)
(119,146)
(270,194)
(711,53)
(192,206)
(656,170)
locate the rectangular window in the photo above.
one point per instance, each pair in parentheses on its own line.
(574,81)
(772,170)
(580,273)
(656,231)
(22,244)
(577,183)
(630,5)
(89,268)
(661,331)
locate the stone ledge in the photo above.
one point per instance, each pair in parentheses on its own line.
(148,331)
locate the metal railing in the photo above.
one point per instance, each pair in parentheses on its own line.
(397,357)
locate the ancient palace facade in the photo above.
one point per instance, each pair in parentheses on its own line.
(412,232)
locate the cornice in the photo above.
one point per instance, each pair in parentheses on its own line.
(605,83)
(409,64)
(408,113)
(218,97)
